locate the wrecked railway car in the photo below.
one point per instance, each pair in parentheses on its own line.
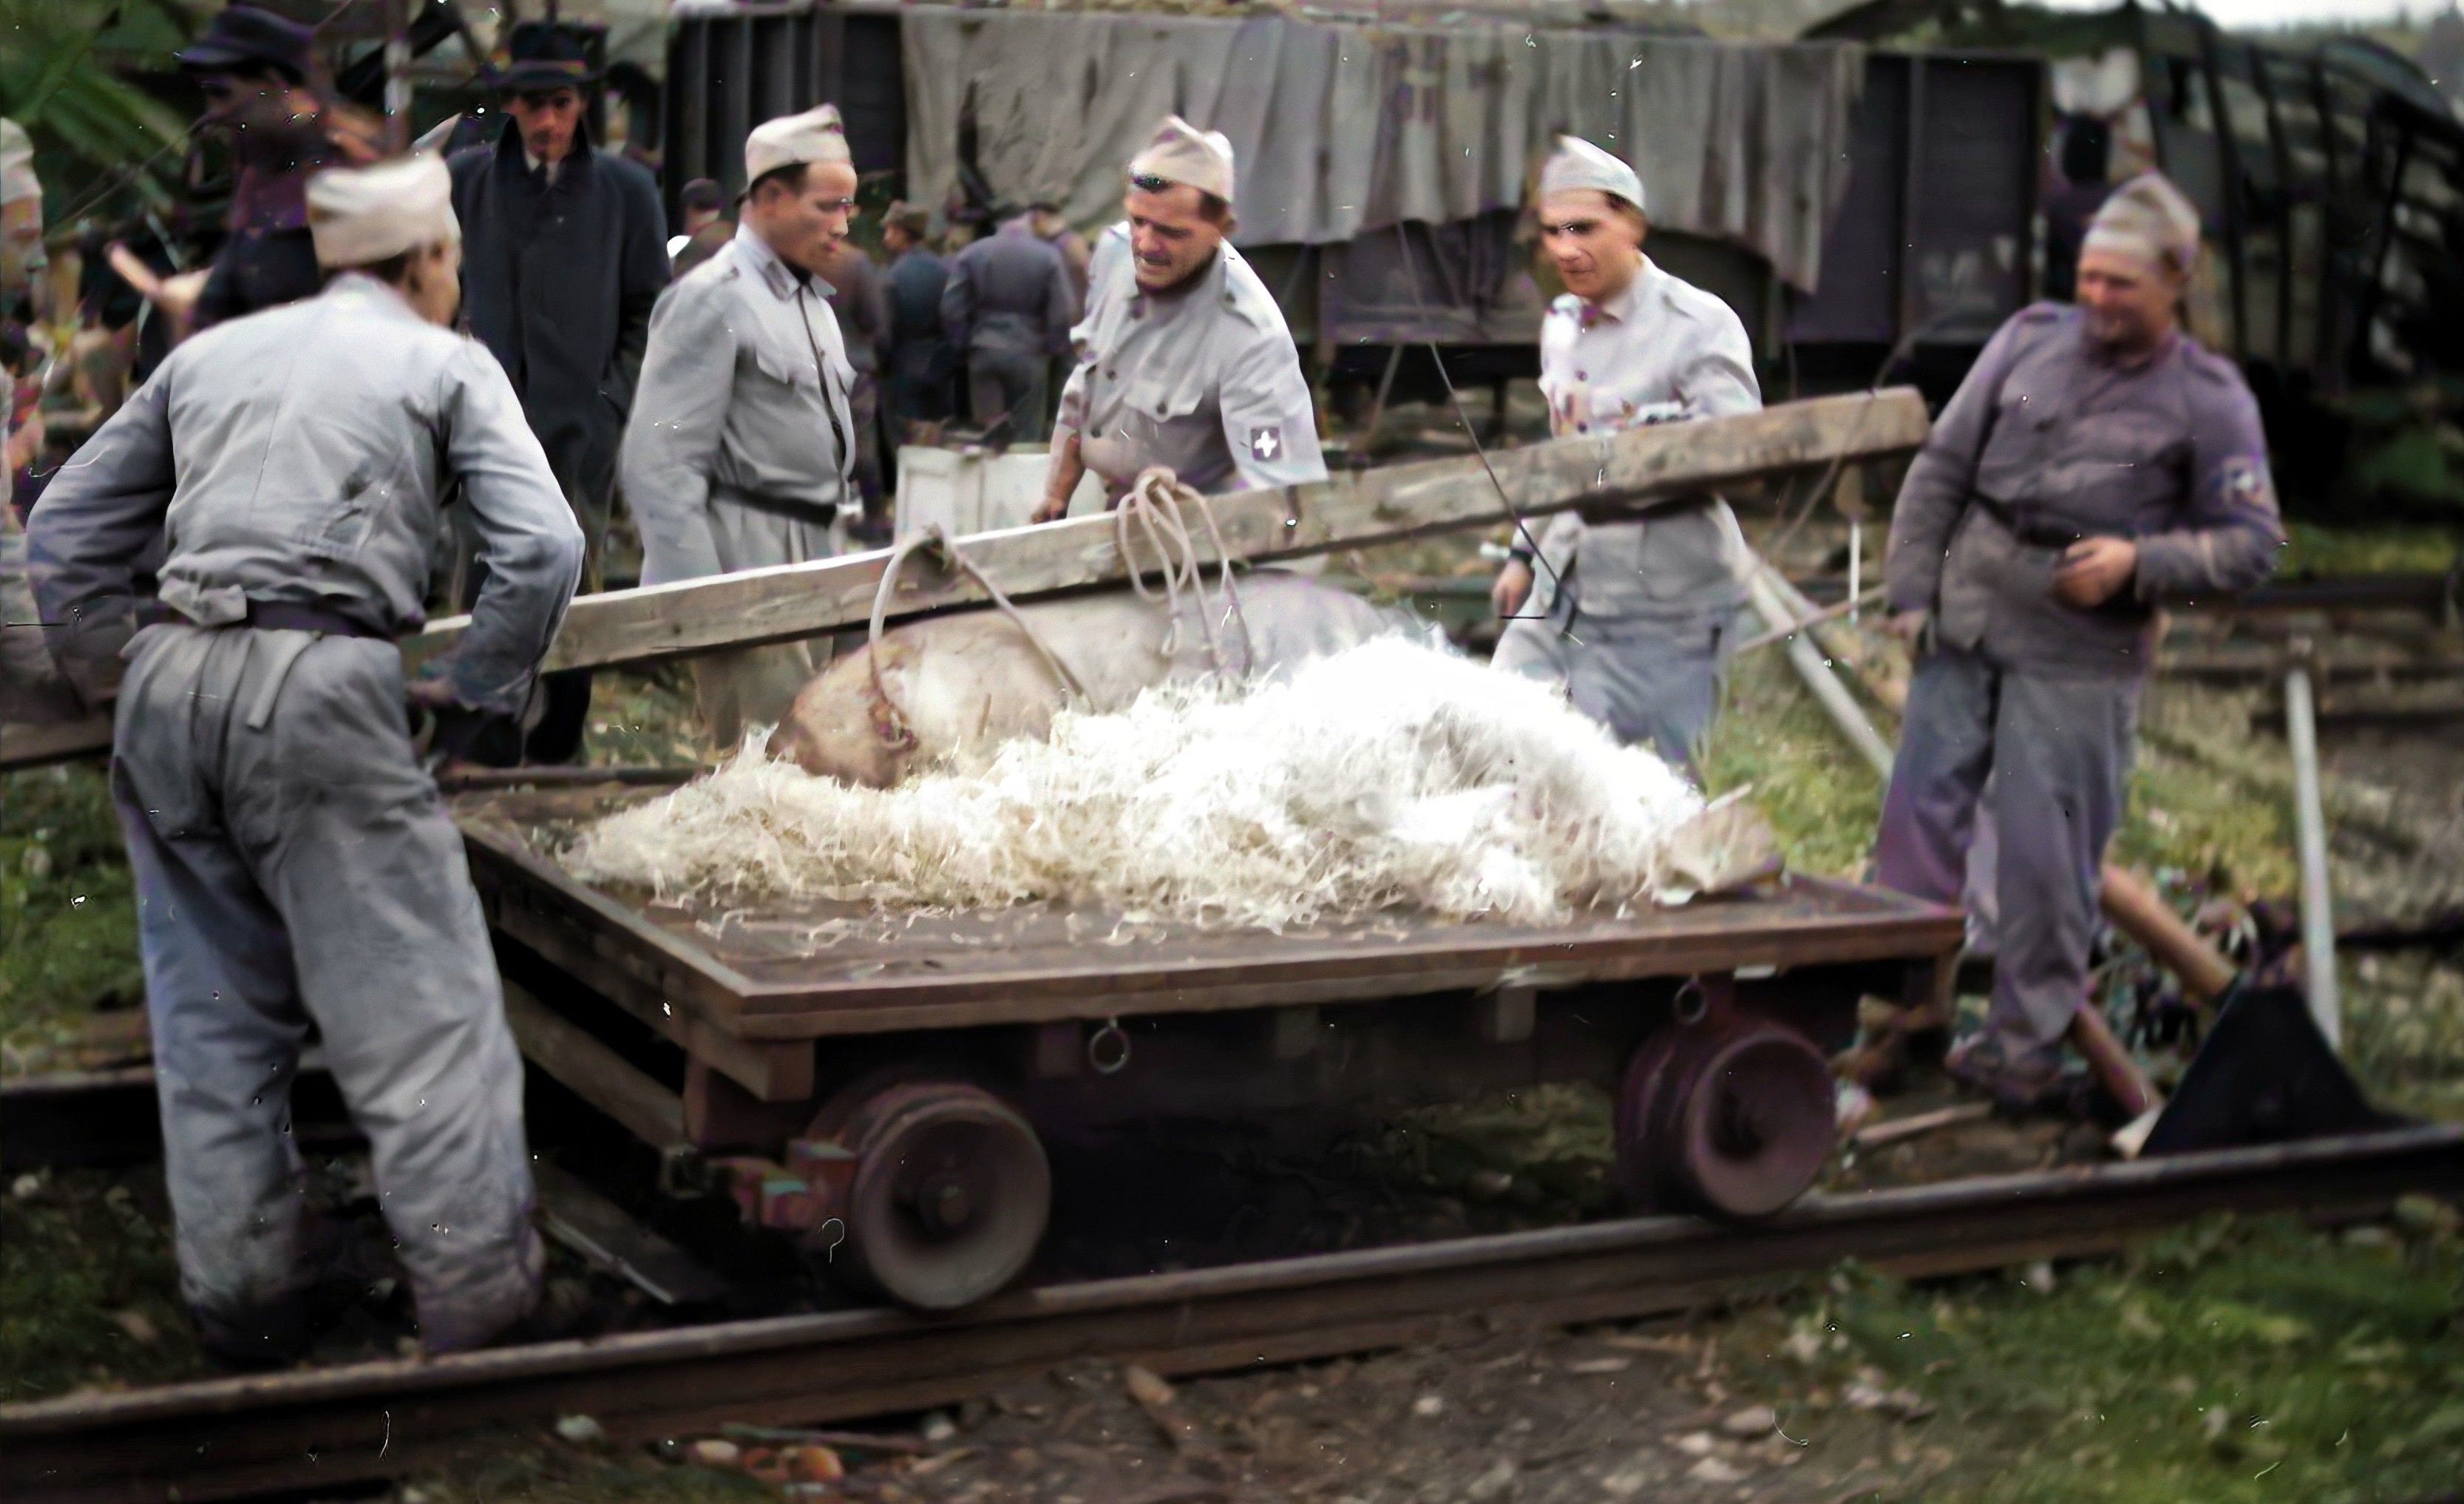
(2330,175)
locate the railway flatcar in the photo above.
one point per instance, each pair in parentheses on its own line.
(880,1088)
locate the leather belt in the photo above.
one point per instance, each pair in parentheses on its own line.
(819,513)
(296,616)
(1655,512)
(2029,531)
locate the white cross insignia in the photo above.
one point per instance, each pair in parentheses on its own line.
(1265,443)
(2243,479)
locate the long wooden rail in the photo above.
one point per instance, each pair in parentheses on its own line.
(1634,470)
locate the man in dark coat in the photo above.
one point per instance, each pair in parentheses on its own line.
(565,250)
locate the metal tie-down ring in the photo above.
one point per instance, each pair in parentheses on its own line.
(1691,1004)
(1095,1050)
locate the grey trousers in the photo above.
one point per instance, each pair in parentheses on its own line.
(294,867)
(2058,752)
(1012,382)
(1648,679)
(737,691)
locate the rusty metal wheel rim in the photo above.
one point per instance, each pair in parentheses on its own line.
(1756,1124)
(1734,1115)
(951,1194)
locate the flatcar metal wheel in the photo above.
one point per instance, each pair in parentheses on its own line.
(1733,1116)
(952,1193)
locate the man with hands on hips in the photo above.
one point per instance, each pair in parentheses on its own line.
(293,862)
(2095,463)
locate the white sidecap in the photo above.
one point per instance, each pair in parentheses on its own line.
(358,216)
(816,135)
(1577,165)
(1180,153)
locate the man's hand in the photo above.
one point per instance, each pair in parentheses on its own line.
(1512,588)
(429,694)
(1908,627)
(1062,476)
(2093,569)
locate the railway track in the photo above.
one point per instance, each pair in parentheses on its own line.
(235,1438)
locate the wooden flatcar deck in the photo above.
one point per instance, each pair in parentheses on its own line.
(785,971)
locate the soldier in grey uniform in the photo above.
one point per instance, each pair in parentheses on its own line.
(294,863)
(2095,463)
(741,446)
(1183,359)
(1008,306)
(1628,615)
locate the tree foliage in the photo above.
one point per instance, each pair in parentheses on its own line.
(67,71)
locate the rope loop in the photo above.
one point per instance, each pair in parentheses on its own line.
(898,729)
(1154,513)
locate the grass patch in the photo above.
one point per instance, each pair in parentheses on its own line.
(2227,1360)
(2313,549)
(68,913)
(2404,1033)
(642,719)
(89,1291)
(2184,818)
(1821,799)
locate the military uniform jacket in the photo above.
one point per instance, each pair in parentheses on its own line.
(743,402)
(1204,380)
(301,457)
(1009,293)
(2050,440)
(1661,351)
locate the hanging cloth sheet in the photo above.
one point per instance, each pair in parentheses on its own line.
(1344,128)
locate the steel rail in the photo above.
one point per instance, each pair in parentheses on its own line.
(229,1438)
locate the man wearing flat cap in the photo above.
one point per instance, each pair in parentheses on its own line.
(564,251)
(742,443)
(1628,615)
(295,865)
(1183,358)
(253,67)
(2095,463)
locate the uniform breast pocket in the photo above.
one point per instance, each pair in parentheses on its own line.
(2123,466)
(1166,404)
(787,370)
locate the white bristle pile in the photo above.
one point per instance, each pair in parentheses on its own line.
(1392,776)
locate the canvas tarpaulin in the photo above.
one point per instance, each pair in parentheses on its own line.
(1341,129)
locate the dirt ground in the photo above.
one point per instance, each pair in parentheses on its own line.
(2207,1363)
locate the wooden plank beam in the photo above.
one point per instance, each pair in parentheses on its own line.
(34,747)
(594,1073)
(1634,470)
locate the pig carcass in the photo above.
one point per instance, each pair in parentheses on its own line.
(974,678)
